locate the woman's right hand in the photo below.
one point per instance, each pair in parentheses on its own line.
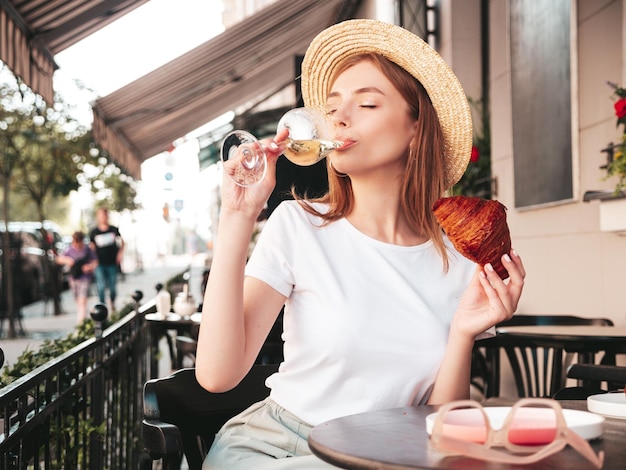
(229,339)
(251,199)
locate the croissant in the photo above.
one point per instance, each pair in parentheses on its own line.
(477,228)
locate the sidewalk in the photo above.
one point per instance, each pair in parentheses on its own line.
(40,323)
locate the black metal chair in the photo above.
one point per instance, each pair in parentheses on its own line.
(271,352)
(181,417)
(186,348)
(540,371)
(537,372)
(185,351)
(485,373)
(593,379)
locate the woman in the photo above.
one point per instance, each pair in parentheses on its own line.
(81,261)
(380,310)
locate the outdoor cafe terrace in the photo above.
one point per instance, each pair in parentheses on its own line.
(62,412)
(84,408)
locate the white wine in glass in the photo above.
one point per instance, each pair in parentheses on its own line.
(246,163)
(308,141)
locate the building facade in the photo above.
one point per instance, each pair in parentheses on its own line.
(542,66)
(551,115)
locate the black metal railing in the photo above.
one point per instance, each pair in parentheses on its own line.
(82,410)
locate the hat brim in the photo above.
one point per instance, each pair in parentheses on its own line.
(353,37)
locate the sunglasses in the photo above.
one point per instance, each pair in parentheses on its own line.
(533,429)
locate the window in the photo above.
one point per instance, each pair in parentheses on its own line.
(541,100)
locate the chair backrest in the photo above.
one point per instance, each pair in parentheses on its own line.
(180,415)
(592,379)
(540,371)
(271,351)
(537,372)
(613,376)
(185,352)
(485,368)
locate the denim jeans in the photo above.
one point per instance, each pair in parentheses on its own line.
(106,276)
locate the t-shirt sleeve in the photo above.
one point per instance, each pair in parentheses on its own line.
(273,256)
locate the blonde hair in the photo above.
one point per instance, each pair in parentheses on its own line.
(424,176)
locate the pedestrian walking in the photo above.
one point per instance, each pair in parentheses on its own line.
(109,247)
(81,261)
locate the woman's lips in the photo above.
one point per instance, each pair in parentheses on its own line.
(347,143)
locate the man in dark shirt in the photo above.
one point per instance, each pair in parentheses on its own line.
(108,244)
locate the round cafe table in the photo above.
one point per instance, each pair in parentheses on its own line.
(159,327)
(397,439)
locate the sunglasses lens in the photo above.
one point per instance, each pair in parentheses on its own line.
(532,426)
(466,424)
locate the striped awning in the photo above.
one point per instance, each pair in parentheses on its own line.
(32,32)
(248,61)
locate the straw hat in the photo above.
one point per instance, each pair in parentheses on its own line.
(354,37)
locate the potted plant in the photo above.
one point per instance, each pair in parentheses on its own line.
(616,165)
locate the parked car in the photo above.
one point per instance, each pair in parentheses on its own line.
(55,240)
(28,257)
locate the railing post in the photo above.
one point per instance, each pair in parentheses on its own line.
(98,314)
(96,387)
(137,296)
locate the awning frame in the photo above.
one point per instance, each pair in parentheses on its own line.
(32,32)
(252,58)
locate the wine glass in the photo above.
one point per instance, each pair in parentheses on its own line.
(308,143)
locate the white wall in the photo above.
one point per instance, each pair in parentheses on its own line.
(459,42)
(573,268)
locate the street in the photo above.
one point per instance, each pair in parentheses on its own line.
(40,324)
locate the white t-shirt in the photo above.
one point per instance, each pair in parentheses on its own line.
(366,322)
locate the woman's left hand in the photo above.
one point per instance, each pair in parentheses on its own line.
(488,299)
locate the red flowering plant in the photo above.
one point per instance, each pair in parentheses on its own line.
(476,180)
(617,162)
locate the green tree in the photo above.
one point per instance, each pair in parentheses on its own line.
(22,208)
(112,188)
(10,131)
(49,165)
(47,154)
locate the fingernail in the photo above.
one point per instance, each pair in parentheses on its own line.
(488,267)
(507,258)
(273,145)
(514,253)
